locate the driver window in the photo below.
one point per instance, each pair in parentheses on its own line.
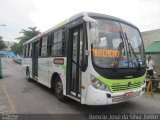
(116,43)
(103,42)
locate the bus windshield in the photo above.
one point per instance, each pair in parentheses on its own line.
(119,45)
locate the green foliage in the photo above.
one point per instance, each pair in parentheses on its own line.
(16,48)
(2,44)
(27,34)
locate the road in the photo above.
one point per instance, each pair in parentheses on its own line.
(17,95)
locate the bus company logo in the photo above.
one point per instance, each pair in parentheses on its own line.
(129,84)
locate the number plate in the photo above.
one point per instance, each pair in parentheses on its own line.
(128,94)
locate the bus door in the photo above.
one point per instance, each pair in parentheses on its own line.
(74,61)
(35,59)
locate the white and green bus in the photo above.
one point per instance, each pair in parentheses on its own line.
(92,58)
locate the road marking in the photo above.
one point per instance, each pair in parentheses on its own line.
(11,104)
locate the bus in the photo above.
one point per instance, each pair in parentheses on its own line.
(93,58)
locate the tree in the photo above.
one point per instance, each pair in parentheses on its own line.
(2,44)
(27,34)
(16,48)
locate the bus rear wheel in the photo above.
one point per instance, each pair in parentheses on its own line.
(59,89)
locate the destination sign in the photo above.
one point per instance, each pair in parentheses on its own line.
(106,53)
(109,27)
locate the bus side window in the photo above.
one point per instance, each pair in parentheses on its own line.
(49,45)
(24,51)
(54,47)
(40,45)
(44,46)
(63,42)
(28,50)
(58,43)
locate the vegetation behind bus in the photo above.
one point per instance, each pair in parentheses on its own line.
(2,44)
(26,35)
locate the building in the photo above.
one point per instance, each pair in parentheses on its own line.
(8,44)
(150,36)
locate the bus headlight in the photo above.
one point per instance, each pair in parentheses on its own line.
(98,84)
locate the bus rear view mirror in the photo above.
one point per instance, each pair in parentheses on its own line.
(92,29)
(93,33)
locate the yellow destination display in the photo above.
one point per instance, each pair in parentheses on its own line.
(105,53)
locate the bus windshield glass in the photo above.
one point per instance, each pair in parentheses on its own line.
(119,46)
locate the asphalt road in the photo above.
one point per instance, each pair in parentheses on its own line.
(17,95)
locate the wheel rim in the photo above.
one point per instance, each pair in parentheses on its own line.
(59,88)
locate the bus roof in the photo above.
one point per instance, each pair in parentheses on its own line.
(82,14)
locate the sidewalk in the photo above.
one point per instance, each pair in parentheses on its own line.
(4,106)
(156,96)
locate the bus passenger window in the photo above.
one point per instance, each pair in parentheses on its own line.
(40,45)
(49,44)
(58,43)
(44,46)
(24,51)
(28,50)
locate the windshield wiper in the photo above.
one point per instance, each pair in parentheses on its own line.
(130,47)
(120,47)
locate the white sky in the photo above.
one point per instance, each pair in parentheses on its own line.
(21,14)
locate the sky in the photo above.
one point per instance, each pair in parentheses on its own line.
(44,14)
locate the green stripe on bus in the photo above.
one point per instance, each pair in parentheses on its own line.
(64,68)
(122,85)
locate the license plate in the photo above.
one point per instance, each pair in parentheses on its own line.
(129,94)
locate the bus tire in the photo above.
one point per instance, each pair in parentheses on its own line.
(28,74)
(59,89)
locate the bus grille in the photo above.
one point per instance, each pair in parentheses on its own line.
(121,98)
(126,87)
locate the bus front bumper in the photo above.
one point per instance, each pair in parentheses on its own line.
(99,97)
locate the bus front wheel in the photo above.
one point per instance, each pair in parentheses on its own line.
(59,89)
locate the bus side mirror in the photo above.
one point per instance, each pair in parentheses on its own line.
(92,28)
(93,33)
(84,62)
